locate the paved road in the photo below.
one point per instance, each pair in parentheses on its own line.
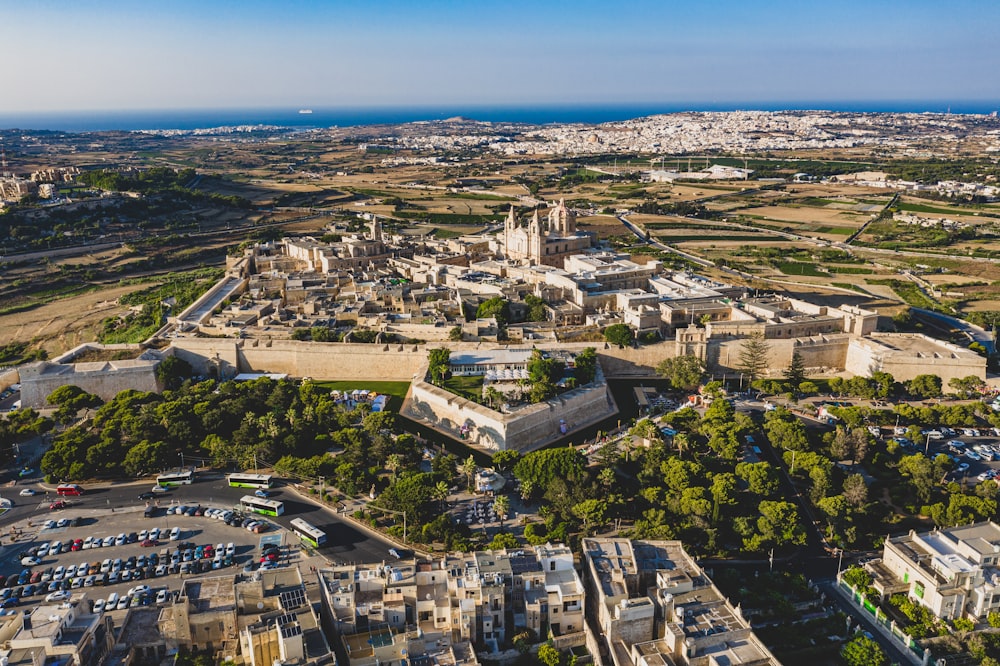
(346,542)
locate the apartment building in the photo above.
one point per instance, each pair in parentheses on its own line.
(651,605)
(451,608)
(56,633)
(953,572)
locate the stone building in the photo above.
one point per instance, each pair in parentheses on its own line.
(649,603)
(542,243)
(448,609)
(56,634)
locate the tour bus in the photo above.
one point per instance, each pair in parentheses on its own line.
(313,536)
(268,507)
(175,478)
(69,489)
(249,480)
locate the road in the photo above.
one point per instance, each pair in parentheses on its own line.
(345,541)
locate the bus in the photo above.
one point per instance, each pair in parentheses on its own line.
(175,478)
(268,507)
(249,480)
(69,489)
(313,536)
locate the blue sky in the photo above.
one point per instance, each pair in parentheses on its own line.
(262,53)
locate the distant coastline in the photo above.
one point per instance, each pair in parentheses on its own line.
(91,121)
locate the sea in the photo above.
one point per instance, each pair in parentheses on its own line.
(191,119)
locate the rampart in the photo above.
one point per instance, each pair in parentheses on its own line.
(525,429)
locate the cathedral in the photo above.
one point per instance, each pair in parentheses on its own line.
(537,243)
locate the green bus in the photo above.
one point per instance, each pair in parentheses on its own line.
(268,507)
(249,480)
(310,534)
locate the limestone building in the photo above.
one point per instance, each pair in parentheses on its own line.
(546,243)
(56,634)
(953,572)
(439,611)
(650,604)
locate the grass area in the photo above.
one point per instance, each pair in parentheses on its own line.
(446,233)
(395,390)
(469,387)
(910,293)
(448,218)
(923,208)
(800,268)
(850,270)
(839,231)
(848,285)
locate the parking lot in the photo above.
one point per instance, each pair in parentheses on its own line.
(127,559)
(975,452)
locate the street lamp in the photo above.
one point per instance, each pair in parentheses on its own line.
(840,559)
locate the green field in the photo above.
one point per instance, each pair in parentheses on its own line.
(800,268)
(396,390)
(850,270)
(840,231)
(469,387)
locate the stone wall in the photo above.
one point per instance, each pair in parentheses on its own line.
(38,380)
(526,429)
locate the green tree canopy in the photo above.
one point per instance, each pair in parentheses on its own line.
(684,372)
(619,334)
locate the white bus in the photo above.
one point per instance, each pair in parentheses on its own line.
(313,536)
(249,480)
(268,507)
(175,478)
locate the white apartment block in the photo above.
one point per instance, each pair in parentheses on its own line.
(953,572)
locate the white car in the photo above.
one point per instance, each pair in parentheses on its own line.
(143,535)
(59,573)
(175,534)
(49,525)
(138,589)
(230,548)
(160,489)
(28,492)
(122,603)
(154,534)
(108,541)
(121,539)
(61,595)
(99,606)
(43,549)
(87,543)
(162,596)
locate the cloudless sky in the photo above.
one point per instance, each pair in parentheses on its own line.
(106,54)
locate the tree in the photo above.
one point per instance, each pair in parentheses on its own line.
(925,386)
(779,525)
(539,468)
(619,334)
(455,334)
(505,460)
(754,355)
(856,491)
(761,478)
(684,372)
(172,371)
(494,397)
(965,387)
(591,512)
(468,469)
(441,492)
(921,472)
(438,364)
(585,365)
(863,651)
(393,463)
(536,307)
(795,373)
(496,307)
(501,507)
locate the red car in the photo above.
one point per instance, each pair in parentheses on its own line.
(149,543)
(77,545)
(58,504)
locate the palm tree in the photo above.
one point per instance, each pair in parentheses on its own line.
(493,397)
(393,463)
(468,468)
(501,507)
(607,477)
(441,492)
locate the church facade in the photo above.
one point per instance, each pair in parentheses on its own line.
(538,242)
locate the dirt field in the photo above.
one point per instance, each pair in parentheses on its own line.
(809,215)
(66,323)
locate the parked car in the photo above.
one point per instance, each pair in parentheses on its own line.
(28,492)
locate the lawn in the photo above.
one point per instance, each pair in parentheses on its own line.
(395,390)
(469,387)
(800,268)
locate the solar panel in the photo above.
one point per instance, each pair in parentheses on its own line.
(292,599)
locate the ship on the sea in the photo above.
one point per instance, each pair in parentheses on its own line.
(305,110)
